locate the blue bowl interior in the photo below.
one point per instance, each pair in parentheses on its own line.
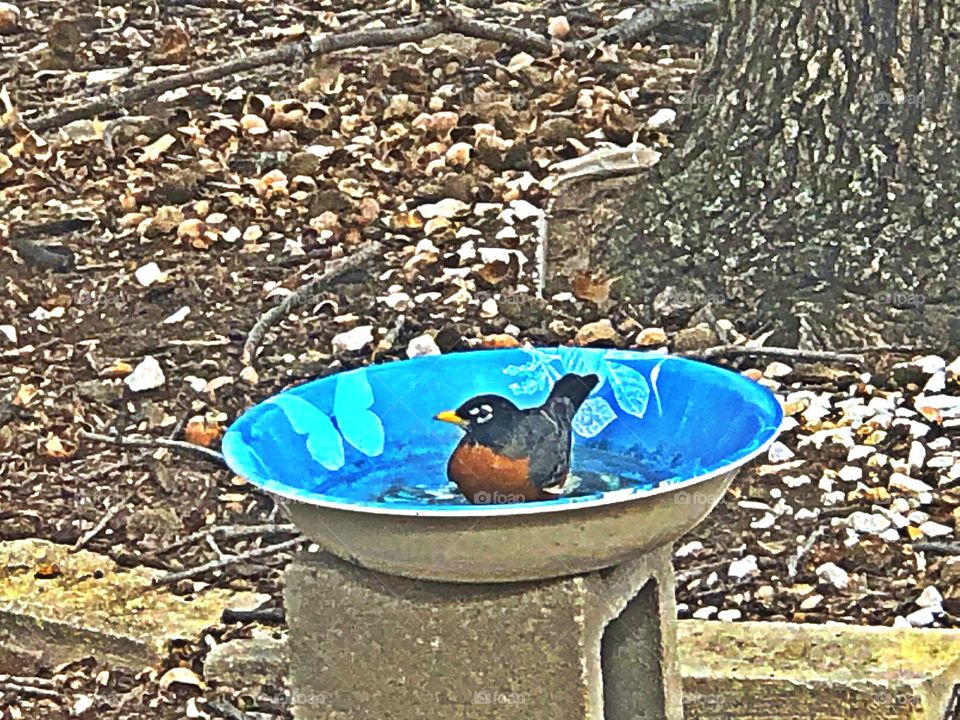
(367,437)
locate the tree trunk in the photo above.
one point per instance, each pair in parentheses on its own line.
(817,187)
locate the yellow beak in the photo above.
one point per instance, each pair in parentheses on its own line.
(451,416)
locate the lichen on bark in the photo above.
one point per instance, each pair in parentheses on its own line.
(815,187)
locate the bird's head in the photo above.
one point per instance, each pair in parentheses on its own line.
(484,417)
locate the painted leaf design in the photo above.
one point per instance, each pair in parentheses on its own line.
(594,415)
(654,375)
(361,427)
(583,363)
(323,440)
(630,388)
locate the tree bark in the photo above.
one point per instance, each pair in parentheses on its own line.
(816,190)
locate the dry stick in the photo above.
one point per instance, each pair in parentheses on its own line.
(170,578)
(937,548)
(651,18)
(303,295)
(153,443)
(225,532)
(794,562)
(287,54)
(28,690)
(734,351)
(111,512)
(34,681)
(294,53)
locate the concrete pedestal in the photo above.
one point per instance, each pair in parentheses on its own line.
(600,646)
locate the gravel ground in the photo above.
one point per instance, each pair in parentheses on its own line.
(173,229)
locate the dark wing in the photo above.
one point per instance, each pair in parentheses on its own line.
(544,437)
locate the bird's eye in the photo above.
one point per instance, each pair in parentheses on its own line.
(487,417)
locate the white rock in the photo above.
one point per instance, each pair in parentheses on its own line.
(935,529)
(917,455)
(705,613)
(524,210)
(825,484)
(741,568)
(662,118)
(795,481)
(177,317)
(809,603)
(81,705)
(446,208)
(917,517)
(688,549)
(489,308)
(834,498)
(9,332)
(353,340)
(901,622)
(777,370)
(421,346)
(148,274)
(850,473)
(396,301)
(729,615)
(871,523)
(147,375)
(805,514)
(890,535)
(765,522)
(936,383)
(834,575)
(930,598)
(921,618)
(908,484)
(779,452)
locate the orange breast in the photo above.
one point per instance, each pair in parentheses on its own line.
(485,477)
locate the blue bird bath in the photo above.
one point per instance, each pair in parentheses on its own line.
(361,461)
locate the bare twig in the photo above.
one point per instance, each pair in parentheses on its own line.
(170,578)
(267,616)
(111,512)
(154,443)
(782,353)
(447,21)
(303,295)
(794,562)
(937,548)
(649,19)
(227,532)
(34,681)
(23,689)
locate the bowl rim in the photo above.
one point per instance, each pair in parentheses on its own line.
(507,509)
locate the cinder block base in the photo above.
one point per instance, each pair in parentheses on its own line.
(600,646)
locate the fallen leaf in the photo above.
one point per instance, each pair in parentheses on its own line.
(592,287)
(182,676)
(55,448)
(200,432)
(48,571)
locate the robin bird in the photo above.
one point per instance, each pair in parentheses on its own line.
(514,455)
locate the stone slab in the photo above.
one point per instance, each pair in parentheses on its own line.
(760,671)
(787,671)
(90,606)
(585,647)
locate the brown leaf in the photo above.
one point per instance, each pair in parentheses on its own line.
(593,288)
(56,449)
(48,571)
(200,432)
(496,271)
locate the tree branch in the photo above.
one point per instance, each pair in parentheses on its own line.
(154,443)
(175,577)
(779,353)
(303,295)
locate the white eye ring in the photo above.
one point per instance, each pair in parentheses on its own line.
(485,419)
(474,411)
(486,408)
